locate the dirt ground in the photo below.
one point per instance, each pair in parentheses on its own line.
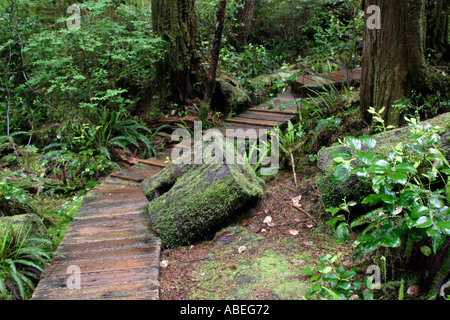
(253,258)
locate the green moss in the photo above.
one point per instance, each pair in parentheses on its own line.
(332,194)
(229,96)
(190,201)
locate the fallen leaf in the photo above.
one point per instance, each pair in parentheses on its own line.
(293,232)
(413,290)
(242,249)
(267,220)
(296,200)
(164,264)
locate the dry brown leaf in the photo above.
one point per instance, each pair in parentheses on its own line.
(242,249)
(164,264)
(296,200)
(267,220)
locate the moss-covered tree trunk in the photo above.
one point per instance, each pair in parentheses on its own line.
(188,201)
(173,21)
(438,37)
(394,60)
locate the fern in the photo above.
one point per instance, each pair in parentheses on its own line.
(21,261)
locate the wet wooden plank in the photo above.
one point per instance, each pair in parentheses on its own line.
(132,242)
(266,116)
(90,279)
(275,110)
(254,122)
(308,84)
(147,286)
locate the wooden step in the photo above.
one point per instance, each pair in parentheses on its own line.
(254,122)
(307,85)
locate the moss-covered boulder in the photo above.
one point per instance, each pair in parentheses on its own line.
(189,200)
(23,225)
(355,189)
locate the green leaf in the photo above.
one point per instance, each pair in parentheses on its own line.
(368,141)
(314,278)
(377,180)
(366,157)
(372,199)
(332,293)
(368,295)
(380,166)
(325,258)
(387,198)
(391,239)
(344,154)
(342,232)
(438,241)
(405,167)
(30,264)
(353,143)
(419,211)
(344,285)
(18,283)
(423,222)
(361,173)
(307,271)
(426,250)
(443,224)
(348,274)
(3,288)
(398,177)
(341,173)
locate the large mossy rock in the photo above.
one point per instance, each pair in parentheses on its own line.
(355,189)
(189,201)
(24,225)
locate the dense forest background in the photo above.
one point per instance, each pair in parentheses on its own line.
(84,88)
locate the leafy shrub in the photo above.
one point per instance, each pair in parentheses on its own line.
(335,282)
(73,72)
(408,200)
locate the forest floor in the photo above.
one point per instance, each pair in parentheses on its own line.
(251,258)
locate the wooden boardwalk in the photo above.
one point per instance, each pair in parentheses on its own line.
(307,85)
(108,252)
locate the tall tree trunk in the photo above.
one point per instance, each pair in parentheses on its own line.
(206,103)
(438,39)
(394,61)
(243,23)
(173,22)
